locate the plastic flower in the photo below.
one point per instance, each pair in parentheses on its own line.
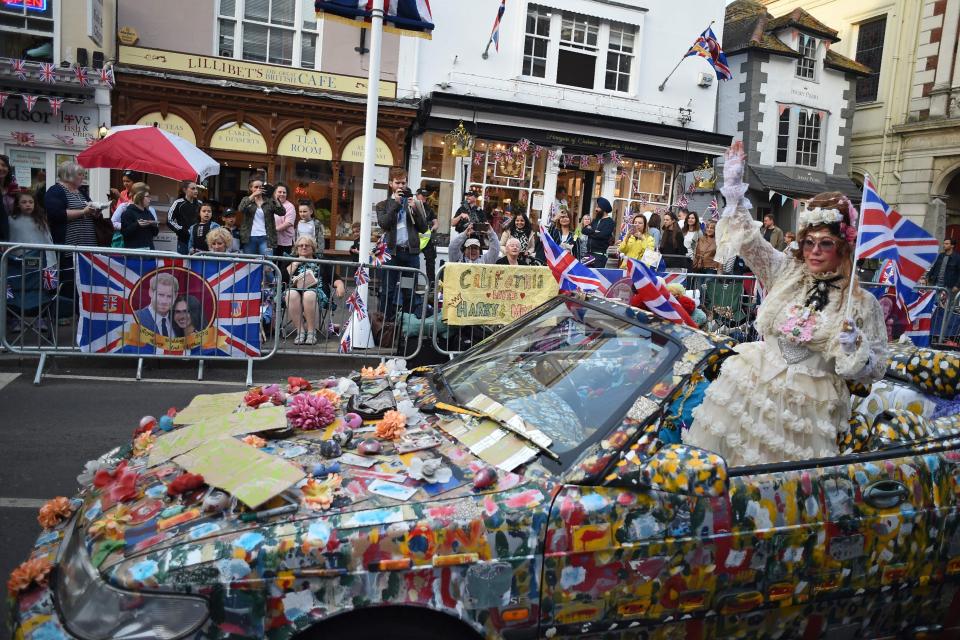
(32,572)
(308,412)
(295,384)
(184,482)
(143,443)
(319,495)
(255,397)
(54,512)
(120,484)
(112,524)
(370,372)
(430,471)
(330,395)
(255,441)
(391,426)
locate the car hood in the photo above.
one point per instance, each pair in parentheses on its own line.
(142,537)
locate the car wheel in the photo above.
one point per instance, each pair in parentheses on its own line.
(391,622)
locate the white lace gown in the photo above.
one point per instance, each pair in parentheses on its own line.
(785,398)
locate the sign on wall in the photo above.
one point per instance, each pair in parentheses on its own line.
(171,124)
(310,145)
(233,136)
(353,152)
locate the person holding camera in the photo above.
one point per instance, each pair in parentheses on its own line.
(258,230)
(70,213)
(465,247)
(469,212)
(403,219)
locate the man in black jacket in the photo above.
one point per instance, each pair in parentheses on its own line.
(468,213)
(403,220)
(599,230)
(183,214)
(945,271)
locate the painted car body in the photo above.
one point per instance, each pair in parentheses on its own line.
(628,533)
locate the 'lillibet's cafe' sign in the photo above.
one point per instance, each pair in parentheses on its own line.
(244,71)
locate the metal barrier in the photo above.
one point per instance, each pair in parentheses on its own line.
(949,337)
(729,302)
(189,308)
(397,304)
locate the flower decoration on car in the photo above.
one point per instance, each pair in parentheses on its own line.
(370,372)
(255,398)
(255,441)
(309,412)
(32,572)
(296,384)
(143,443)
(54,512)
(120,484)
(184,483)
(430,471)
(391,426)
(331,397)
(320,494)
(112,525)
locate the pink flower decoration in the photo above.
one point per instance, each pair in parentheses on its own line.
(308,412)
(120,484)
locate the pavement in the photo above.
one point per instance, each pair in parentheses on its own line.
(85,407)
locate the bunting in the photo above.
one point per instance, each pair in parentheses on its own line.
(19,67)
(48,73)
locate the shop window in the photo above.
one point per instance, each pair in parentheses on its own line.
(437,162)
(443,205)
(26,30)
(311,181)
(870,52)
(268,31)
(506,176)
(807,64)
(349,192)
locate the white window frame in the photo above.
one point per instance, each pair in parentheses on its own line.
(602,49)
(815,58)
(547,38)
(54,33)
(792,146)
(239,23)
(632,55)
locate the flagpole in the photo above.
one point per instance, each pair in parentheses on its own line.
(664,83)
(361,336)
(856,249)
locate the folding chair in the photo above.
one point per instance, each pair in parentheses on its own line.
(29,302)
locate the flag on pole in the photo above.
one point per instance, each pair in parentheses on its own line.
(569,272)
(360,277)
(380,254)
(921,318)
(345,342)
(409,17)
(708,47)
(495,33)
(355,302)
(653,291)
(886,235)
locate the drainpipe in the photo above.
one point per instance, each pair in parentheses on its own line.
(890,93)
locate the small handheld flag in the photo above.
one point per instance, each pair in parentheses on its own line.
(653,291)
(569,272)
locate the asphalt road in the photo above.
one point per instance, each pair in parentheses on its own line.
(48,432)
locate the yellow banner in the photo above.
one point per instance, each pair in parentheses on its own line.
(493,294)
(244,71)
(209,338)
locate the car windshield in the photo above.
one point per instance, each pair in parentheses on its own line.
(571,371)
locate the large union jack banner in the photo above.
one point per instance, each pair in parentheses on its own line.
(168,306)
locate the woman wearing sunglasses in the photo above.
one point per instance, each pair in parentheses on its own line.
(785,398)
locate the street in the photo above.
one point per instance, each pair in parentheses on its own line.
(49,431)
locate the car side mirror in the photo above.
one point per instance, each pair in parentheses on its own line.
(673,468)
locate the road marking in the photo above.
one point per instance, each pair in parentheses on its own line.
(142,380)
(7,378)
(21,503)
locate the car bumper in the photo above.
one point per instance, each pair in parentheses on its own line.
(33,613)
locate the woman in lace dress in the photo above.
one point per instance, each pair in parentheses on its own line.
(785,398)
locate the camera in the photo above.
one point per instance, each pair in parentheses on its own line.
(406,192)
(268,189)
(481,227)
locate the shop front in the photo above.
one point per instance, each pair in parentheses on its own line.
(314,143)
(571,159)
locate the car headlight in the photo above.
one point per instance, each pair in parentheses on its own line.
(93,610)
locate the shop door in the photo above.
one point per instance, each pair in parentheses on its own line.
(579,186)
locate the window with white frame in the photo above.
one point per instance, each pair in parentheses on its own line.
(282,32)
(807,64)
(620,57)
(27,31)
(799,136)
(536,42)
(576,50)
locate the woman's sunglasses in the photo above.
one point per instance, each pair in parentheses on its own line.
(826,244)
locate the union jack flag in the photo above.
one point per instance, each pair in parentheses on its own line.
(360,277)
(30,101)
(708,47)
(886,235)
(654,293)
(106,76)
(82,76)
(48,73)
(24,138)
(65,139)
(921,317)
(380,254)
(345,341)
(411,17)
(19,67)
(569,272)
(713,209)
(356,303)
(683,201)
(51,278)
(55,105)
(495,33)
(112,303)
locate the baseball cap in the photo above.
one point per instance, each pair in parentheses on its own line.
(472,192)
(472,242)
(229,212)
(423,192)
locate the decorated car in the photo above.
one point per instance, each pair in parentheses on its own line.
(535,486)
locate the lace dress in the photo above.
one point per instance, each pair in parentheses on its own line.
(785,398)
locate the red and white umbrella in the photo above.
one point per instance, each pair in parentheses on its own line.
(150,150)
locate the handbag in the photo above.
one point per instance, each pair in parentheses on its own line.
(651,258)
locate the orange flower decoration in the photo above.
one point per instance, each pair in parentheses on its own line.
(331,397)
(319,495)
(54,512)
(112,524)
(143,443)
(391,426)
(370,372)
(32,572)
(255,441)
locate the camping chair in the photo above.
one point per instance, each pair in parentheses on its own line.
(31,303)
